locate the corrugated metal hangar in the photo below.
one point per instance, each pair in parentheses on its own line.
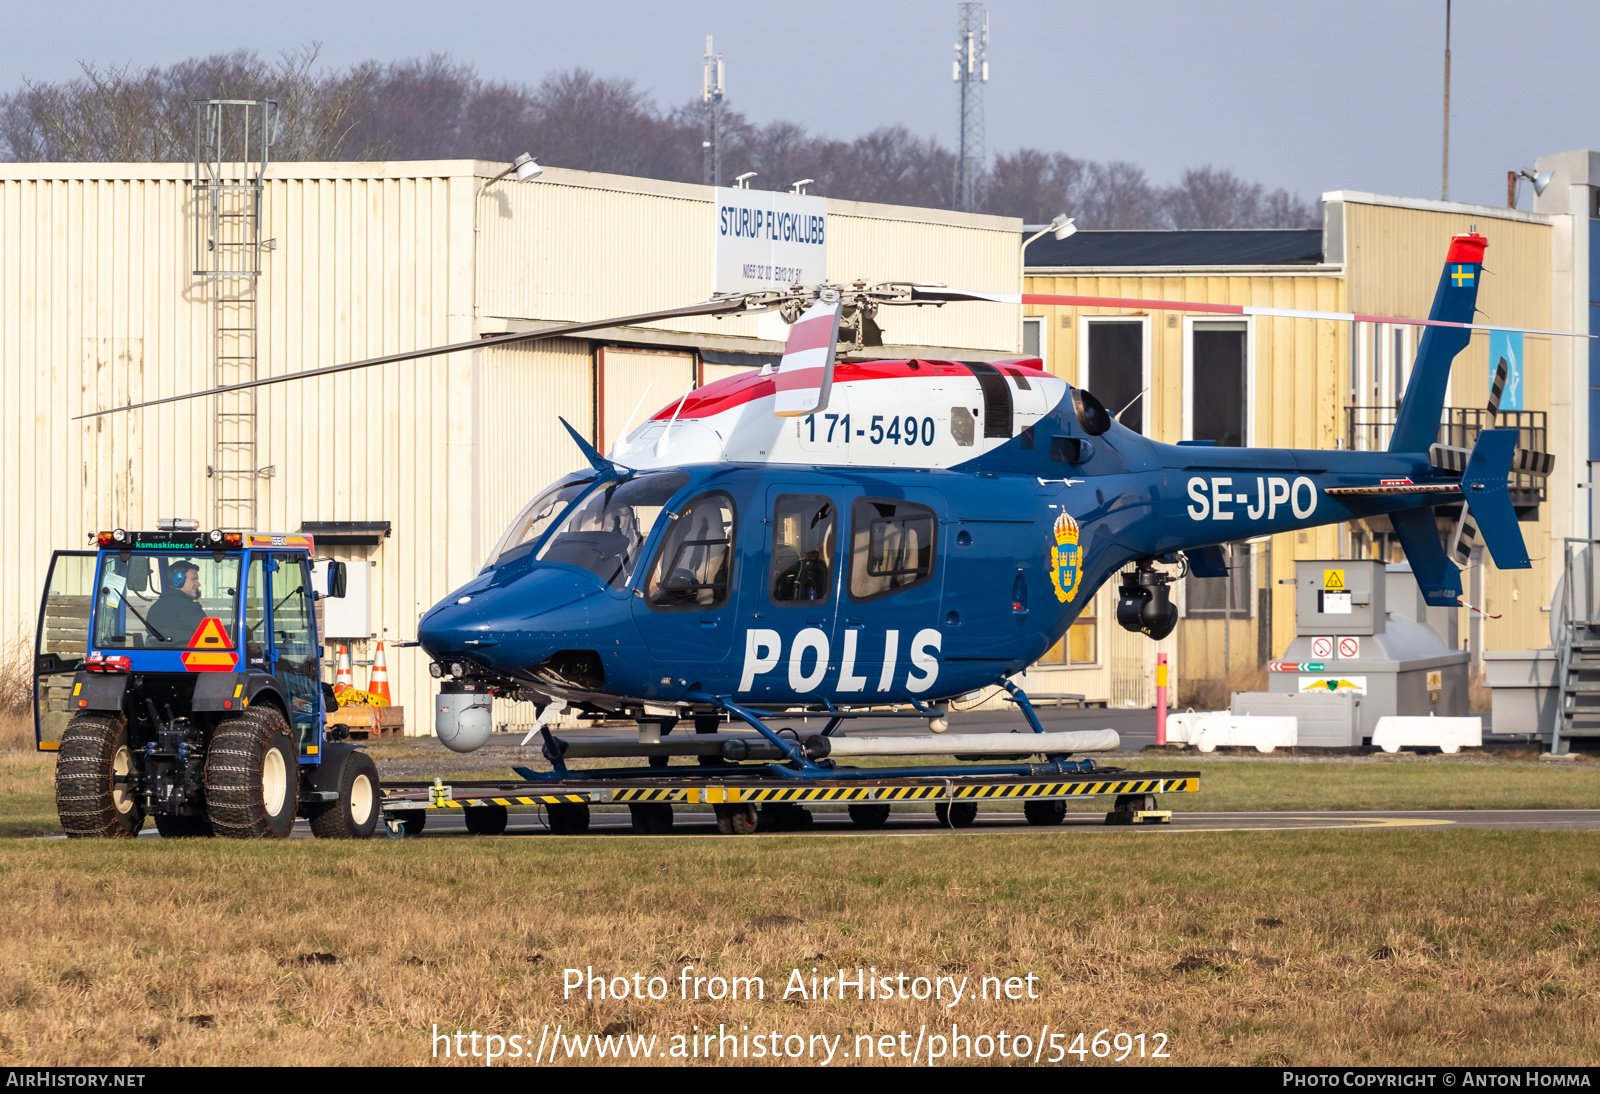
(414,468)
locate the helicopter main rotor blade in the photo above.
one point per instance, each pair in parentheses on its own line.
(805,375)
(709,307)
(938,293)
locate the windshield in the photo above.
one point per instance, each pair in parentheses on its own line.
(161,601)
(605,533)
(536,517)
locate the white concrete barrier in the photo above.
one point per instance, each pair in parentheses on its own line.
(1209,729)
(1392,733)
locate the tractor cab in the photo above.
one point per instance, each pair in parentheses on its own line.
(157,646)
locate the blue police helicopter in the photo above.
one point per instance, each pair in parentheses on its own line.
(848,533)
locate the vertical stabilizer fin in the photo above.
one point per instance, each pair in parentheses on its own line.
(1483,485)
(1436,575)
(1416,427)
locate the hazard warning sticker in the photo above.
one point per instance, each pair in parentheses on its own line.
(210,650)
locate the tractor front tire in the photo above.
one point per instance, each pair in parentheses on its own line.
(89,799)
(252,776)
(355,815)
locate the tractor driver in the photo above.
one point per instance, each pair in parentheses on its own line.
(177,613)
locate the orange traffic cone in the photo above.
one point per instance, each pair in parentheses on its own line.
(341,678)
(378,679)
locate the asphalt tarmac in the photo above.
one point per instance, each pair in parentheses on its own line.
(690,822)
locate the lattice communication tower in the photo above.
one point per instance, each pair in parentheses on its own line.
(971,69)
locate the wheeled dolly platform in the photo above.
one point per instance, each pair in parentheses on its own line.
(736,800)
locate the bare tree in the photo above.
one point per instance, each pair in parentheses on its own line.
(438,108)
(1035,185)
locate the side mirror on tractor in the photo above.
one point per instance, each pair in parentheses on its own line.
(335,575)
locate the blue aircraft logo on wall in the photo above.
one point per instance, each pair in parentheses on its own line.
(1065,558)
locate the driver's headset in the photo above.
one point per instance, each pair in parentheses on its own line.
(177,576)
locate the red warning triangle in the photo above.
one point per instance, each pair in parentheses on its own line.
(211,650)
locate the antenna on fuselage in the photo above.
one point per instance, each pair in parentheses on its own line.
(592,454)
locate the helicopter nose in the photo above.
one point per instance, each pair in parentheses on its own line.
(519,622)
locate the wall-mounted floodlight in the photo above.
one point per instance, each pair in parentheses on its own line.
(1061,227)
(743,181)
(1540,180)
(800,186)
(526,167)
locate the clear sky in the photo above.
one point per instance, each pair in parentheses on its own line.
(1307,96)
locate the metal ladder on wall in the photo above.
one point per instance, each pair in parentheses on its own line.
(232,142)
(1578,667)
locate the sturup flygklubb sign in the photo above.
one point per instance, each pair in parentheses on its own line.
(768,240)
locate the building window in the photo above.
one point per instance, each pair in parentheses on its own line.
(1219,384)
(1216,597)
(1033,337)
(1116,370)
(1079,646)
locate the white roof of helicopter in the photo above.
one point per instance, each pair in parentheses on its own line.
(867,422)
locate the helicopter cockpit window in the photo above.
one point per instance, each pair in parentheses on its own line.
(537,516)
(605,532)
(693,568)
(802,548)
(891,547)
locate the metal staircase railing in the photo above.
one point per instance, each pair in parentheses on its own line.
(1578,668)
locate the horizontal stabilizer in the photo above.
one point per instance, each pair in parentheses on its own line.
(1484,486)
(1524,461)
(1438,579)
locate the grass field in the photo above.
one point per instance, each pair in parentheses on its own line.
(1319,948)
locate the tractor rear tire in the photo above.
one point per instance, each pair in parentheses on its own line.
(486,820)
(355,815)
(956,814)
(869,815)
(89,800)
(568,818)
(252,776)
(172,826)
(1045,811)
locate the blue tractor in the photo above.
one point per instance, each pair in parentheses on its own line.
(177,676)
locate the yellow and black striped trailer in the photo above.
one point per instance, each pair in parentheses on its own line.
(736,801)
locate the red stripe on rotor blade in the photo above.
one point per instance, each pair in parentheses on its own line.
(1120,302)
(797,378)
(814,333)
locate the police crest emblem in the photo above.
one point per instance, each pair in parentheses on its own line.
(1065,558)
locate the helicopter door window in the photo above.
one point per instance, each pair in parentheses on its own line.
(802,549)
(605,533)
(692,570)
(892,546)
